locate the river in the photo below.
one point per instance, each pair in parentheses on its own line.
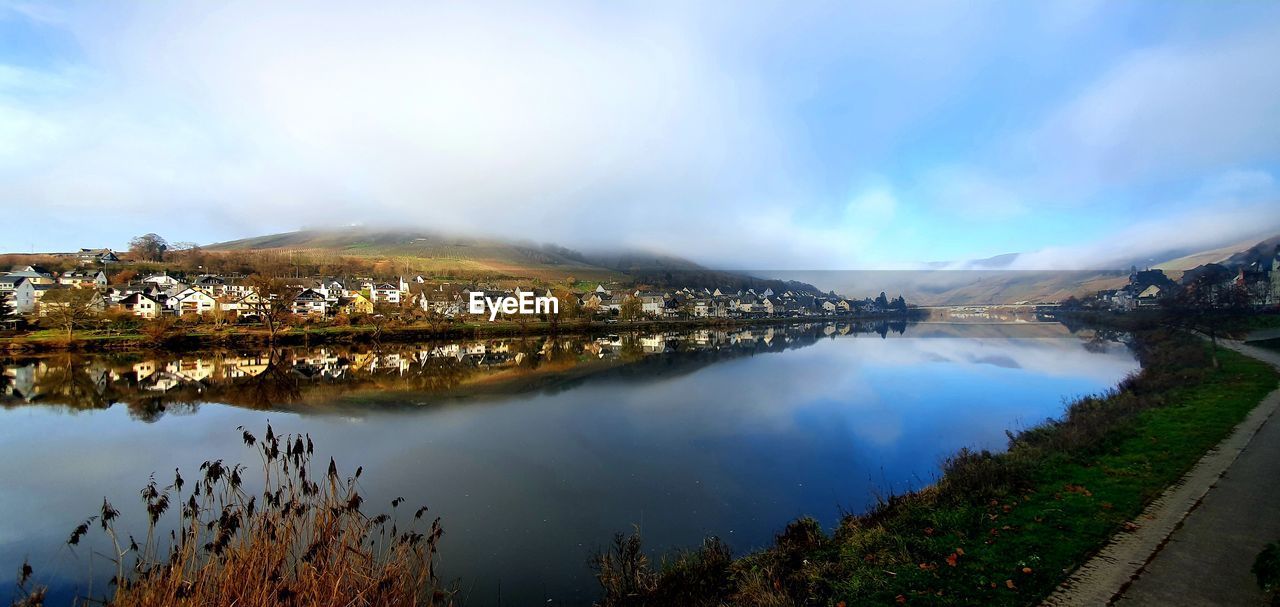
(536,451)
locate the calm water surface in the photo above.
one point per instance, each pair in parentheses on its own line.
(536,451)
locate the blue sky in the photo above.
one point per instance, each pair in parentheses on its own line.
(757,135)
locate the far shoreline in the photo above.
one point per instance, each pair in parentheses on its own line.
(234,336)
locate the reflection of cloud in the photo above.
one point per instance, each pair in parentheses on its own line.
(749,401)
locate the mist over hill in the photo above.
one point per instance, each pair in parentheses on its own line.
(994,280)
(426,250)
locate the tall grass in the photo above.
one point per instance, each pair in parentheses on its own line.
(304,540)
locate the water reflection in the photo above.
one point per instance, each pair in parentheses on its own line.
(534,451)
(328,377)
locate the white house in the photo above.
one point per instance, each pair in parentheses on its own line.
(384,292)
(163,280)
(25,295)
(9,282)
(142,305)
(35,274)
(311,303)
(193,301)
(76,279)
(651,302)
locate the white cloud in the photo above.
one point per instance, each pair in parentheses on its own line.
(495,118)
(707,130)
(1233,208)
(1165,109)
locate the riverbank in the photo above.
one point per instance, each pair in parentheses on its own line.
(1202,536)
(239,336)
(996,529)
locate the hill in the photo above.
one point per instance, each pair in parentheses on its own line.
(426,251)
(988,281)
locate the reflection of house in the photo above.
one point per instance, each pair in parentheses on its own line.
(249,366)
(143,370)
(22,382)
(197,369)
(653,344)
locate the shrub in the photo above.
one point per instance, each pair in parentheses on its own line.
(1267,569)
(304,540)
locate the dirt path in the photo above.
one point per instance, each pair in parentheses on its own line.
(1195,543)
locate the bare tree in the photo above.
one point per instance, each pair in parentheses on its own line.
(148,247)
(271,301)
(1206,304)
(631,308)
(70,308)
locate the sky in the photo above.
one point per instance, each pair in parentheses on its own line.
(1079,134)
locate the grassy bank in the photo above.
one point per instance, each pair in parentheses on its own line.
(232,336)
(997,529)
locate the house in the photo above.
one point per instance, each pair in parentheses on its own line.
(355,304)
(9,282)
(162,280)
(192,301)
(118,293)
(384,292)
(213,285)
(36,274)
(747,304)
(311,303)
(440,302)
(142,305)
(1254,281)
(652,302)
(772,306)
(1275,277)
(77,279)
(701,307)
(1150,296)
(98,302)
(89,257)
(25,295)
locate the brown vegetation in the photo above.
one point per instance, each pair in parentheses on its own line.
(304,540)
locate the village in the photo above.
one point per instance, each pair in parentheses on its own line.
(30,294)
(1255,284)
